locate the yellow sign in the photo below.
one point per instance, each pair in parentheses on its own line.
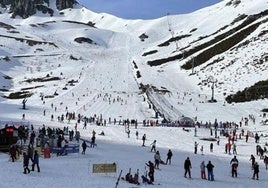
(104,168)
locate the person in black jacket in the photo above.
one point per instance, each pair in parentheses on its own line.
(84,147)
(187,167)
(143,139)
(210,167)
(26,163)
(151,171)
(169,155)
(234,165)
(255,171)
(252,159)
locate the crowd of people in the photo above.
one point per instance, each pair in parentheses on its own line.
(225,129)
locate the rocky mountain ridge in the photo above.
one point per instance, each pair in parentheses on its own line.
(26,8)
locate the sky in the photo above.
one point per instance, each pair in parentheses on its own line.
(145,9)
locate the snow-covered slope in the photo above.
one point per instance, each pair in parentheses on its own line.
(110,58)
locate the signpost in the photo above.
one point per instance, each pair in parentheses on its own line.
(104,168)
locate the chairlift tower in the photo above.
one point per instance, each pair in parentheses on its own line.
(212,80)
(172,32)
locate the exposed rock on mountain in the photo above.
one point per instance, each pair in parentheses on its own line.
(26,8)
(63,4)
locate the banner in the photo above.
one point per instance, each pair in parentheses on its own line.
(104,168)
(70,148)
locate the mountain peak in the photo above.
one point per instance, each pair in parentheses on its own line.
(26,8)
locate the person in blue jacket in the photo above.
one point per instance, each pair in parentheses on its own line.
(36,161)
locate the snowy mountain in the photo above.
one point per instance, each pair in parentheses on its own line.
(202,65)
(223,45)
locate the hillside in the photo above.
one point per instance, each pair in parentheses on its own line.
(102,56)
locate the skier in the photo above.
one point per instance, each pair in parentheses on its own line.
(210,167)
(153,146)
(234,164)
(169,155)
(187,167)
(137,135)
(203,168)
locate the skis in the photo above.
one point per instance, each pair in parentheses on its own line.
(118,179)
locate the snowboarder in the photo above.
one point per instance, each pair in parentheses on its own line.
(187,167)
(210,167)
(169,155)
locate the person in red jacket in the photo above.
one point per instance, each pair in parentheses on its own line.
(203,170)
(13,152)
